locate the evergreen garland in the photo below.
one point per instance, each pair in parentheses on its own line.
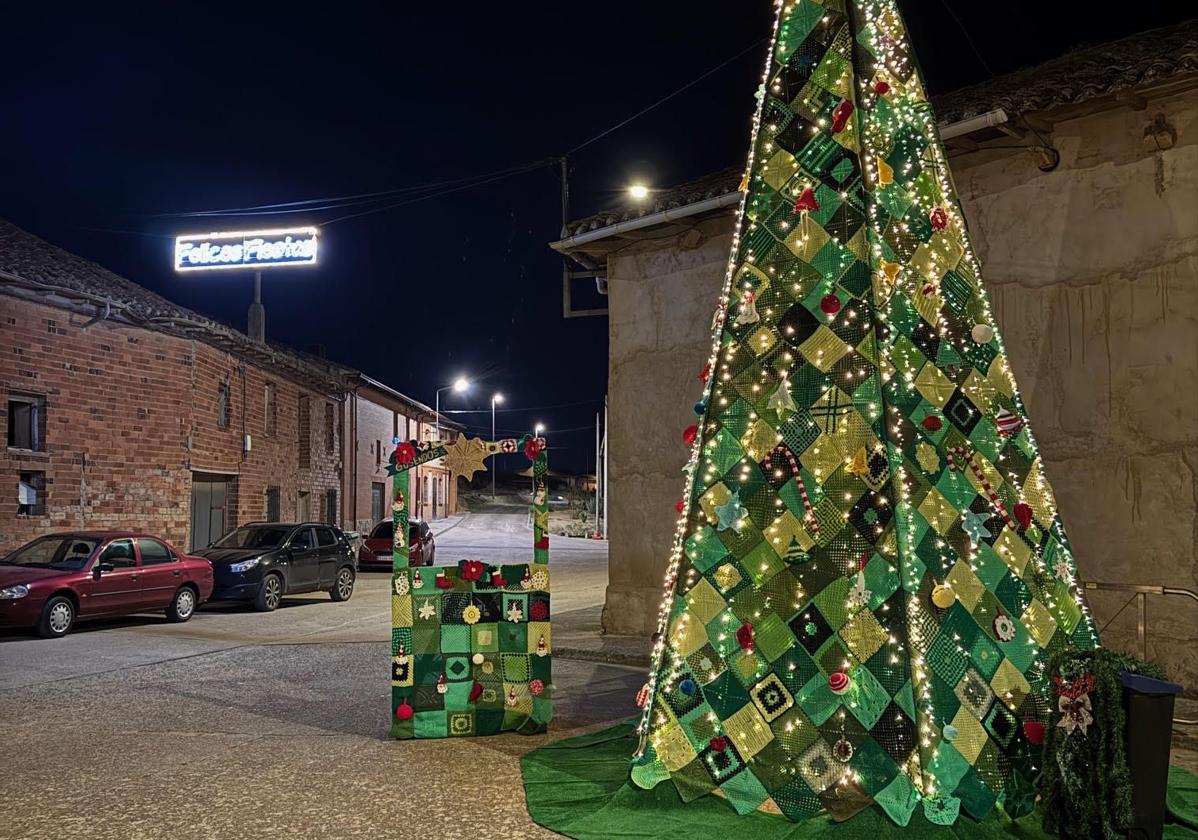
(1086,785)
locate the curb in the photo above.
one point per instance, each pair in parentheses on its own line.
(631,660)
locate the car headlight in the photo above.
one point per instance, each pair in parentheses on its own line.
(10,593)
(244,566)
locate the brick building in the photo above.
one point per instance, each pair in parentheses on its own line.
(122,409)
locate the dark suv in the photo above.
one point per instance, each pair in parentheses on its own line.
(263,561)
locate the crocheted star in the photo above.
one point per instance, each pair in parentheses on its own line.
(974,524)
(731,514)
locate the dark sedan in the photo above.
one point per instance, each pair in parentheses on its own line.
(55,580)
(378,550)
(263,561)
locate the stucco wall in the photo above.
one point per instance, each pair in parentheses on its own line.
(1094,276)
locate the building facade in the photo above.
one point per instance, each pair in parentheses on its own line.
(1088,235)
(122,410)
(376,416)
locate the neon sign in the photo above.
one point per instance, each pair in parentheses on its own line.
(246,249)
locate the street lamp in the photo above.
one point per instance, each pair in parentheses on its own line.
(539,429)
(638,192)
(460,386)
(496,399)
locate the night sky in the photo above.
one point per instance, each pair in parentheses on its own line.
(119,113)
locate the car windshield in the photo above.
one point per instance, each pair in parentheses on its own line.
(255,536)
(383,531)
(66,553)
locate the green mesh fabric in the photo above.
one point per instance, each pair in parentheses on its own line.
(870,567)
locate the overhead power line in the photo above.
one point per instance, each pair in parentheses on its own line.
(423,192)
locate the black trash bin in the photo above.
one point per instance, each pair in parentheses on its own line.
(1149,707)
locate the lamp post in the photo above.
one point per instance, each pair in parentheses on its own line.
(495,400)
(459,386)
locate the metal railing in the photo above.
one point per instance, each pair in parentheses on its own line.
(1139,594)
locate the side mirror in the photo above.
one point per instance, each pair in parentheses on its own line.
(102,567)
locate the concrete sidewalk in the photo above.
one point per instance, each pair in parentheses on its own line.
(257,742)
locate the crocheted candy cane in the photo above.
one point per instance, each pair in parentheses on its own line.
(967,457)
(812,522)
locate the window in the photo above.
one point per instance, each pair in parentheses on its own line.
(378,452)
(325,537)
(330,507)
(303,433)
(378,499)
(31,494)
(27,422)
(154,553)
(119,554)
(330,431)
(222,406)
(303,507)
(270,410)
(274,511)
(383,531)
(302,540)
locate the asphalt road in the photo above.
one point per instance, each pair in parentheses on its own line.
(242,724)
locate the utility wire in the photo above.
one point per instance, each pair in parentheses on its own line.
(528,408)
(968,38)
(432,189)
(666,99)
(333,202)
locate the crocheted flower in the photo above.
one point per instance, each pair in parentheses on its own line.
(471,614)
(405,454)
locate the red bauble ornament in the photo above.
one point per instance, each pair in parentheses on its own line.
(689,434)
(680,506)
(719,743)
(744,637)
(476,691)
(1023,512)
(1033,730)
(830,304)
(932,423)
(840,117)
(881,88)
(705,374)
(807,202)
(838,682)
(404,711)
(405,454)
(938,218)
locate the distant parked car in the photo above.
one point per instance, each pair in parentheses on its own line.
(263,561)
(377,550)
(56,580)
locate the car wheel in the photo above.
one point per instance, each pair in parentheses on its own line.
(58,617)
(183,606)
(343,588)
(270,593)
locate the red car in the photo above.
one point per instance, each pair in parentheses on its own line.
(376,550)
(53,581)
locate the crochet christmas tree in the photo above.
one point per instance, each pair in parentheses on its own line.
(869,572)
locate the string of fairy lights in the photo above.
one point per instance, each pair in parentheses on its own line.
(852,447)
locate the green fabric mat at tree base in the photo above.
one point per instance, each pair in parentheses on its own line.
(579,787)
(1182,798)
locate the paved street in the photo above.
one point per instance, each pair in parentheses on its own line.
(239,724)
